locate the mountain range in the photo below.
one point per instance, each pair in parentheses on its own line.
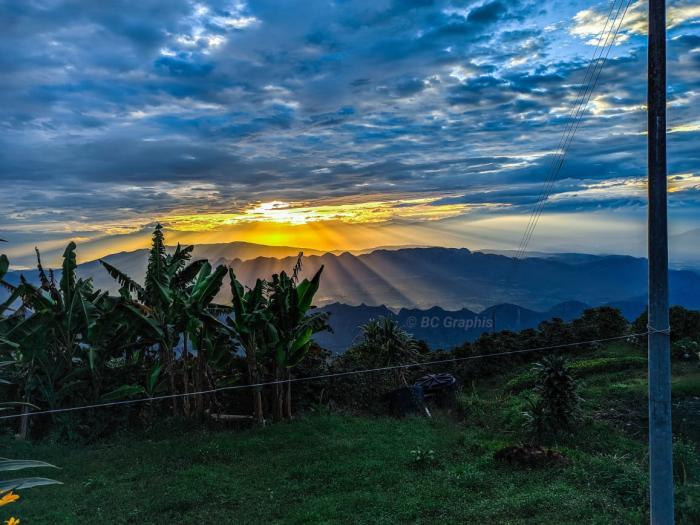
(444,329)
(444,296)
(422,278)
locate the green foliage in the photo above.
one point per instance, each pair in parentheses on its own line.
(254,330)
(422,459)
(579,369)
(685,349)
(603,322)
(56,344)
(176,304)
(684,323)
(11,465)
(556,407)
(384,344)
(290,306)
(350,470)
(70,345)
(274,323)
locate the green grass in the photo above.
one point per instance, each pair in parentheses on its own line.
(329,469)
(337,469)
(582,368)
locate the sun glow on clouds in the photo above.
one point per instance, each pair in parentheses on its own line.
(631,188)
(590,23)
(689,127)
(286,213)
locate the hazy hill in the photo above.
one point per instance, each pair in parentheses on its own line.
(438,327)
(445,277)
(459,278)
(683,249)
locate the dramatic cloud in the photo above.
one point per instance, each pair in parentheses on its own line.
(414,114)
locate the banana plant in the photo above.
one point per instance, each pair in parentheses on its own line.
(254,330)
(51,343)
(174,303)
(290,305)
(7,304)
(10,465)
(155,300)
(197,319)
(150,387)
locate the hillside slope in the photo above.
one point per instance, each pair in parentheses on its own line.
(450,278)
(349,470)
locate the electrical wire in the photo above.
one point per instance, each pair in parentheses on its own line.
(573,125)
(322,376)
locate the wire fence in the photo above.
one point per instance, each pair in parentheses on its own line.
(334,375)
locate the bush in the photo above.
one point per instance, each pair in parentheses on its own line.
(599,323)
(686,462)
(685,349)
(684,323)
(556,407)
(423,459)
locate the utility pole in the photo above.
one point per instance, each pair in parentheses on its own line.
(660,436)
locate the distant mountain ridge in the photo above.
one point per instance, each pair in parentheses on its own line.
(421,278)
(443,329)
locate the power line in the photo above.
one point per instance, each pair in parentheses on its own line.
(569,133)
(325,376)
(583,88)
(572,127)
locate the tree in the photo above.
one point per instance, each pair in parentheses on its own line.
(169,300)
(684,323)
(384,344)
(290,306)
(554,332)
(197,319)
(603,322)
(254,331)
(51,343)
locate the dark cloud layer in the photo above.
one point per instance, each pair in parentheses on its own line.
(110,107)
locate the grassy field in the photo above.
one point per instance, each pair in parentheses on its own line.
(337,469)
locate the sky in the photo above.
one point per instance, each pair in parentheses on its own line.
(333,125)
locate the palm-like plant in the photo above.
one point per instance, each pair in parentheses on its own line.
(51,344)
(155,299)
(386,344)
(176,299)
(290,306)
(557,406)
(254,331)
(197,318)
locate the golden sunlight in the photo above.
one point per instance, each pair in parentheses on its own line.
(280,212)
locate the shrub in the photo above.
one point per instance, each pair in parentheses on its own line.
(603,322)
(556,407)
(423,459)
(383,344)
(685,349)
(686,462)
